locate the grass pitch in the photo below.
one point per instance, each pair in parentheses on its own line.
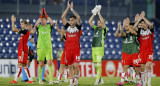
(83,81)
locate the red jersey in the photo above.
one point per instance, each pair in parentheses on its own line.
(24,35)
(146,40)
(72,36)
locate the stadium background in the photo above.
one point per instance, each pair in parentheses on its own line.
(112,10)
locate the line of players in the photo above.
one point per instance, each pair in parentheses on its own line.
(71,53)
(137,47)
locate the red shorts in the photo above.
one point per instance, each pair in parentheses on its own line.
(63,57)
(146,57)
(72,56)
(22,57)
(130,59)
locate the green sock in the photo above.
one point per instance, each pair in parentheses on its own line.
(40,73)
(50,72)
(99,70)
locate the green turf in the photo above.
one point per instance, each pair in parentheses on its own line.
(108,81)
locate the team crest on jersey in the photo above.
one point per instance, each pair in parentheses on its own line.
(46,28)
(72,30)
(145,32)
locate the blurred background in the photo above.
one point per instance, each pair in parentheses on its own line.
(112,10)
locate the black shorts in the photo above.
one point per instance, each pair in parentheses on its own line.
(44,61)
(30,55)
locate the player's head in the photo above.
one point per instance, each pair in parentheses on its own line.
(144,24)
(23,24)
(29,25)
(139,25)
(72,20)
(44,21)
(99,24)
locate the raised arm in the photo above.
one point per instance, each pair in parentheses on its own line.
(76,14)
(13,19)
(117,34)
(101,19)
(37,23)
(131,29)
(146,20)
(90,20)
(59,31)
(48,18)
(64,20)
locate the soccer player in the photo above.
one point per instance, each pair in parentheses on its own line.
(130,49)
(146,32)
(63,67)
(72,44)
(22,49)
(44,45)
(30,48)
(99,36)
(59,54)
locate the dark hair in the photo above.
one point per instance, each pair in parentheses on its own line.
(24,21)
(132,24)
(141,21)
(29,23)
(73,17)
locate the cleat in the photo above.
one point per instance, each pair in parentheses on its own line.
(119,84)
(138,84)
(40,82)
(101,81)
(97,82)
(66,80)
(30,82)
(149,85)
(50,82)
(57,82)
(13,82)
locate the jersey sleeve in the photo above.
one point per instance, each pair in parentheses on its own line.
(23,31)
(105,32)
(67,25)
(138,32)
(78,26)
(94,27)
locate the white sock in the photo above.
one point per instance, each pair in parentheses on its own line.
(126,76)
(66,74)
(59,77)
(143,77)
(139,78)
(71,80)
(134,75)
(149,76)
(18,73)
(28,73)
(122,77)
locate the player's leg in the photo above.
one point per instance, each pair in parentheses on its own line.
(126,61)
(49,58)
(61,69)
(76,73)
(43,70)
(66,74)
(71,74)
(27,73)
(18,73)
(149,72)
(76,66)
(40,59)
(97,56)
(143,66)
(135,62)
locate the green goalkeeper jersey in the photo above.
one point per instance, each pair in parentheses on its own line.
(130,44)
(44,37)
(99,37)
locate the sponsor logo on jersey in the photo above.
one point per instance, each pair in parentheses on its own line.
(72,30)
